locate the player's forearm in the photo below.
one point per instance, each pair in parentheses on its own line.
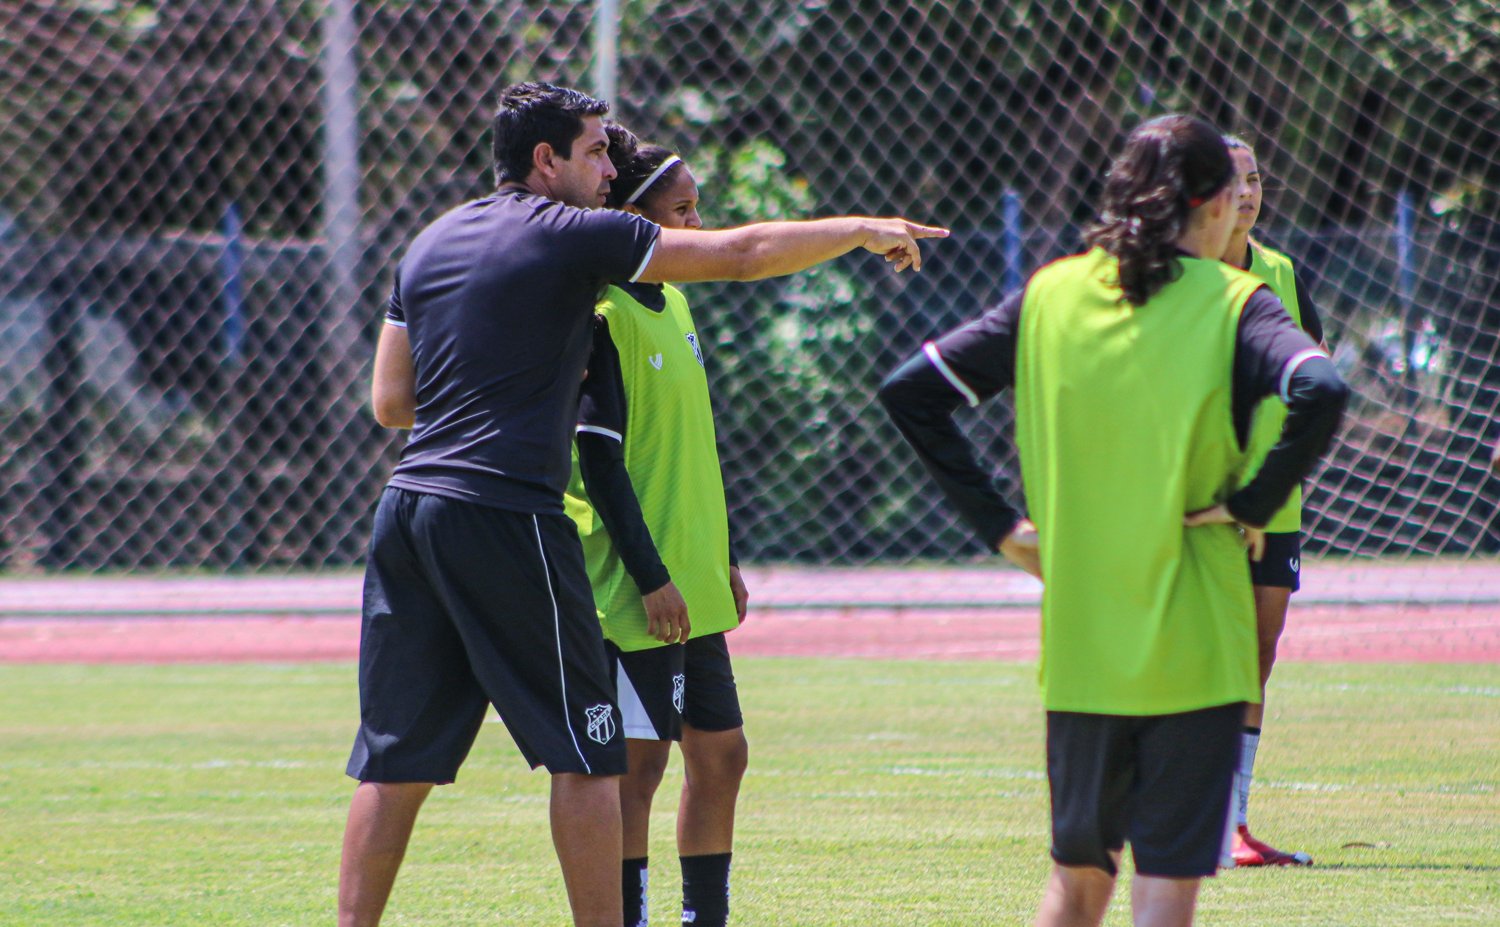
(613,496)
(773,249)
(921,405)
(752,252)
(1315,401)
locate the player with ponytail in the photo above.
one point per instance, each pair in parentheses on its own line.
(1135,367)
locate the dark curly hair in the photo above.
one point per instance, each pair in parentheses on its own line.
(1170,166)
(531,113)
(634,162)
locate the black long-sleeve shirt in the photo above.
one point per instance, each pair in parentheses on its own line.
(978,360)
(1312,321)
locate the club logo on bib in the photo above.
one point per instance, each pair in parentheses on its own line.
(601,723)
(654,360)
(679,684)
(692,338)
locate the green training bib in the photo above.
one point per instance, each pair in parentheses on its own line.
(673,462)
(1123,424)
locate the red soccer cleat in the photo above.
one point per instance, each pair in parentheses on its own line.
(1251,852)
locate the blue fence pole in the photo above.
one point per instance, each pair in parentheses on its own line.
(1012,239)
(231,272)
(1411,322)
(1406,275)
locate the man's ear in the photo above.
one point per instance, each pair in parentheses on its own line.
(544,159)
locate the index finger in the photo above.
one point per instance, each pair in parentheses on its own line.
(926,231)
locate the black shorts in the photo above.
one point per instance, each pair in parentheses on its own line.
(1160,782)
(713,702)
(1281,565)
(649,685)
(466,606)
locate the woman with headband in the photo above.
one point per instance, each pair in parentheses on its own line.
(1277,574)
(1135,367)
(648,498)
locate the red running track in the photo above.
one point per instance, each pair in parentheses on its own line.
(1446,634)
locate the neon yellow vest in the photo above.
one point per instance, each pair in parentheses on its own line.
(1123,425)
(1275,269)
(673,464)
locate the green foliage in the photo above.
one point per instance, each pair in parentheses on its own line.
(749,183)
(797,350)
(1459,31)
(137,796)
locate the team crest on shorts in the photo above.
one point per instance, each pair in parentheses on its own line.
(679,683)
(601,723)
(692,338)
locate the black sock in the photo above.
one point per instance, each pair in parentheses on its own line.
(705,890)
(633,877)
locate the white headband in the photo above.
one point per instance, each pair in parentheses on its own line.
(655,176)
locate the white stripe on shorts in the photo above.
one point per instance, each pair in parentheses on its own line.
(633,715)
(562,675)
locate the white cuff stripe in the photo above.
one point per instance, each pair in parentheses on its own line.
(596,430)
(391,321)
(645,260)
(1291,368)
(969,395)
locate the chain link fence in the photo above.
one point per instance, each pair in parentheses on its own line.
(206,199)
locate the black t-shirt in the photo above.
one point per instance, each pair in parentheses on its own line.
(497,298)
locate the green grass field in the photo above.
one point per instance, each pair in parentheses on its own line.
(879,794)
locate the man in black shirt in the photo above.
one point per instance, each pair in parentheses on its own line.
(475,589)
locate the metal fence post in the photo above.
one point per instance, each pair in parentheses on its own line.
(1013,241)
(341,172)
(606,49)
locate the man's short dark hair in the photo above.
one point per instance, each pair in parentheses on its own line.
(531,113)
